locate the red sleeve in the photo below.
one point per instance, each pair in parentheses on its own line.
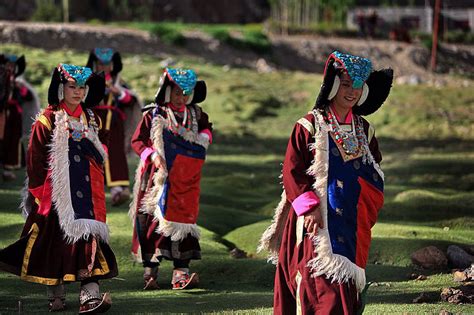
(141,137)
(37,157)
(298,185)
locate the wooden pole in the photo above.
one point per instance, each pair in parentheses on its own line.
(66,11)
(434,45)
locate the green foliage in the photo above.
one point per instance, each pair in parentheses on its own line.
(253,40)
(459,36)
(47,11)
(168,34)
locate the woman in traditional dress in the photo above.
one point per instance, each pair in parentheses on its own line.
(171,140)
(65,237)
(333,190)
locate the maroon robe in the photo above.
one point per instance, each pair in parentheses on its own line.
(112,113)
(12,152)
(315,295)
(155,246)
(42,254)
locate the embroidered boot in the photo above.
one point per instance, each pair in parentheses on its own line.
(120,195)
(91,301)
(183,280)
(149,278)
(56,298)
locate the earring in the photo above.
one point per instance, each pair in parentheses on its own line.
(365,94)
(168,94)
(335,88)
(61,92)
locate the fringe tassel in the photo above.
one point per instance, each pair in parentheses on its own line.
(73,229)
(271,238)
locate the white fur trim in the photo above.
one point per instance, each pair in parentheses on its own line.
(190,98)
(60,92)
(168,94)
(365,94)
(73,229)
(335,87)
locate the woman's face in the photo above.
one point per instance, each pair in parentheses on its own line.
(346,96)
(177,98)
(73,94)
(107,68)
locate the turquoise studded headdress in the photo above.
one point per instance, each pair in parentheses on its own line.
(185,78)
(104,54)
(78,73)
(358,68)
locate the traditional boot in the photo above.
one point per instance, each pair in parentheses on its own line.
(149,277)
(56,298)
(119,195)
(91,301)
(183,280)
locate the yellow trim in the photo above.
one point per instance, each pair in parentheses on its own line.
(108,119)
(100,121)
(54,281)
(108,177)
(299,230)
(298,288)
(371,133)
(84,118)
(45,121)
(307,125)
(38,202)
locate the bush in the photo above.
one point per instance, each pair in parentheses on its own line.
(251,39)
(47,11)
(168,34)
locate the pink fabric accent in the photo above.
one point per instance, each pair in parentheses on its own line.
(105,148)
(305,203)
(16,104)
(348,119)
(208,133)
(146,153)
(125,98)
(23,91)
(108,76)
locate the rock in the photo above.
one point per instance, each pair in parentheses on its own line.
(409,80)
(459,276)
(415,276)
(429,258)
(262,66)
(458,257)
(470,272)
(445,312)
(422,298)
(463,294)
(167,62)
(238,253)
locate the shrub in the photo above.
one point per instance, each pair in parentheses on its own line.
(47,11)
(168,34)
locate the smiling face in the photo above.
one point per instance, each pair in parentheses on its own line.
(177,98)
(73,94)
(346,96)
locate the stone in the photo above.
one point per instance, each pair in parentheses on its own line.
(445,312)
(458,257)
(238,253)
(459,276)
(429,258)
(462,294)
(262,66)
(422,298)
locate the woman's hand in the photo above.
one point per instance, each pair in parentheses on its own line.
(313,220)
(159,162)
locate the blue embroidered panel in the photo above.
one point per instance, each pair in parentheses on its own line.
(79,176)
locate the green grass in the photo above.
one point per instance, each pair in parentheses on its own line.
(428,164)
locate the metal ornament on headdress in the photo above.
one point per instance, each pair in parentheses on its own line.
(358,68)
(185,78)
(104,54)
(78,73)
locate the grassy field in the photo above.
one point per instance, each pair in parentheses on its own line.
(427,138)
